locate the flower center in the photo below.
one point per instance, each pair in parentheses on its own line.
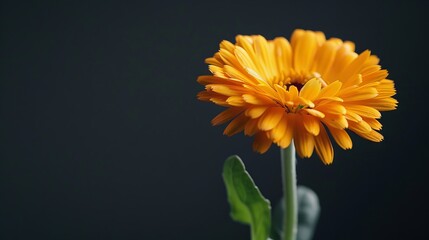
(296,84)
(298,80)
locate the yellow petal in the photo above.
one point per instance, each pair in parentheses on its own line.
(305,102)
(375,76)
(283,95)
(213,61)
(261,142)
(386,88)
(229,58)
(247,64)
(330,90)
(304,141)
(226,115)
(311,89)
(206,80)
(245,44)
(261,53)
(204,96)
(236,125)
(283,53)
(383,104)
(270,118)
(220,102)
(293,91)
(374,123)
(278,132)
(304,51)
(311,124)
(255,112)
(341,138)
(355,66)
(371,135)
(364,111)
(255,75)
(314,112)
(352,116)
(224,89)
(257,99)
(357,94)
(332,108)
(361,127)
(236,101)
(372,60)
(238,75)
(336,121)
(243,58)
(350,45)
(343,57)
(325,57)
(267,90)
(296,37)
(370,69)
(324,146)
(325,100)
(355,79)
(286,139)
(320,38)
(217,71)
(251,127)
(227,45)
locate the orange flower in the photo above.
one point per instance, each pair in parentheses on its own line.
(278,90)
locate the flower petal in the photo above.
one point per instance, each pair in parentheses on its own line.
(360,127)
(304,141)
(375,76)
(304,50)
(283,53)
(330,90)
(224,89)
(278,132)
(257,99)
(260,46)
(314,112)
(374,123)
(226,115)
(371,135)
(311,89)
(341,137)
(332,108)
(357,94)
(324,146)
(261,143)
(286,139)
(236,125)
(236,101)
(251,127)
(363,111)
(270,118)
(355,66)
(325,56)
(336,121)
(255,112)
(311,124)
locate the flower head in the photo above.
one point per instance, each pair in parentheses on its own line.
(279,91)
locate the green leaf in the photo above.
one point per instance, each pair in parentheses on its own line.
(247,204)
(308,215)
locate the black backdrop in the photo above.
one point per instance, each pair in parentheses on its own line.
(102,136)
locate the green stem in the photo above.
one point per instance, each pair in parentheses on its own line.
(290,215)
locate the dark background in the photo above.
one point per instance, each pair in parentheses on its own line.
(102,136)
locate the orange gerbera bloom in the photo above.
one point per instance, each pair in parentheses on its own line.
(278,90)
